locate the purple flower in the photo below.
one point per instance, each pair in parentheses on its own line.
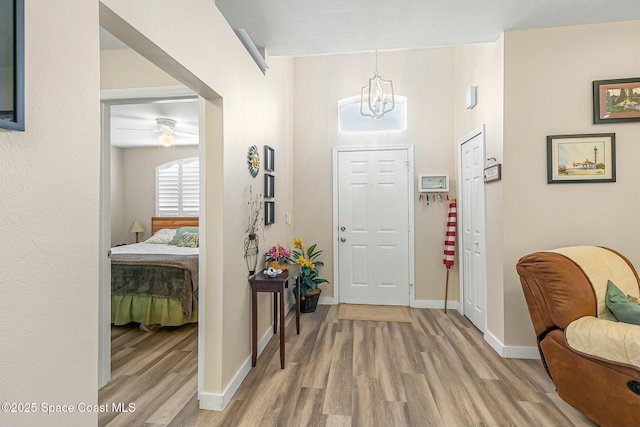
(278,253)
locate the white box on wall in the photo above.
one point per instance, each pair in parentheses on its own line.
(430,183)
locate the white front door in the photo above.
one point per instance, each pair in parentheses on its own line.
(471,207)
(373,227)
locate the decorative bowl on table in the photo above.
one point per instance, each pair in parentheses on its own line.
(272,272)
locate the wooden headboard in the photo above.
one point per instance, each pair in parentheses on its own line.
(158,222)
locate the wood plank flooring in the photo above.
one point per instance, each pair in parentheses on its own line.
(436,371)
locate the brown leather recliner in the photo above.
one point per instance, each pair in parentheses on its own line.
(566,286)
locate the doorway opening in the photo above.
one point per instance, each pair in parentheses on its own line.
(130,152)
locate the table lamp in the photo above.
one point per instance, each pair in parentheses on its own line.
(136,227)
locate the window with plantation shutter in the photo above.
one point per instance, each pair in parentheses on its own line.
(178,188)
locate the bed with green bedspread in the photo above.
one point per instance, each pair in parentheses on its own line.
(154,284)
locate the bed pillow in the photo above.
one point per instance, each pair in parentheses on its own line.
(189,240)
(162,236)
(623,309)
(180,232)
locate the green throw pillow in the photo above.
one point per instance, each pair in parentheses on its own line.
(624,310)
(180,232)
(189,240)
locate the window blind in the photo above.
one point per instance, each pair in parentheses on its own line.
(178,188)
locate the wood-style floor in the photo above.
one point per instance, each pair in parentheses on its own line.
(436,371)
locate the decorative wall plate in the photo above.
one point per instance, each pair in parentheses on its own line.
(253,159)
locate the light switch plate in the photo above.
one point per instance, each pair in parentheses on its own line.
(472,94)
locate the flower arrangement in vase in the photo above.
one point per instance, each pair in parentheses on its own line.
(277,257)
(307,258)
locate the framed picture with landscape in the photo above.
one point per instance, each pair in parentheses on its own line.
(616,101)
(581,158)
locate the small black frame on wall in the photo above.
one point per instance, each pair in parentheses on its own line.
(12,64)
(269,186)
(269,213)
(269,159)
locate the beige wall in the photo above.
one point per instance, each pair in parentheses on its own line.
(119,230)
(481,65)
(126,69)
(548,77)
(49,209)
(425,77)
(256,109)
(139,180)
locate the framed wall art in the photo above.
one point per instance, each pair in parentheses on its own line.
(269,186)
(269,159)
(616,101)
(269,213)
(581,158)
(12,64)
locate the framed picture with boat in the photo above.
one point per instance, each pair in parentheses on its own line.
(581,158)
(616,101)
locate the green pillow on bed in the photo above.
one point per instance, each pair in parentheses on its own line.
(623,309)
(180,232)
(189,240)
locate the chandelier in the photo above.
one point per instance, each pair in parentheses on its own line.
(375,100)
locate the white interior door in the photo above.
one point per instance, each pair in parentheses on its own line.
(472,227)
(373,227)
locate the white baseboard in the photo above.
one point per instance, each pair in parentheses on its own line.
(219,401)
(327,301)
(423,303)
(452,305)
(511,351)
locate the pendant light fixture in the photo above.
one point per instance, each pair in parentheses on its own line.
(166,127)
(376,98)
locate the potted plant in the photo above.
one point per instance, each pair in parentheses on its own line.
(309,278)
(277,257)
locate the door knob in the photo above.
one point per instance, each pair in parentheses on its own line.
(343,228)
(343,239)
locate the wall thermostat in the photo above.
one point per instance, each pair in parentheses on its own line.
(433,183)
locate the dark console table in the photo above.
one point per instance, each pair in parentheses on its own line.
(276,285)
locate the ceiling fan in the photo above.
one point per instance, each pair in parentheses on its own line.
(166,128)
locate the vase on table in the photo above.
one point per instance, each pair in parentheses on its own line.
(251,252)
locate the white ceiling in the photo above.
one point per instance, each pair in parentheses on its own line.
(307,27)
(303,27)
(134,124)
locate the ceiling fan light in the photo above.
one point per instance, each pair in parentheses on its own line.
(166,139)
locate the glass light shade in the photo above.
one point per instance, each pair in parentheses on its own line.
(166,139)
